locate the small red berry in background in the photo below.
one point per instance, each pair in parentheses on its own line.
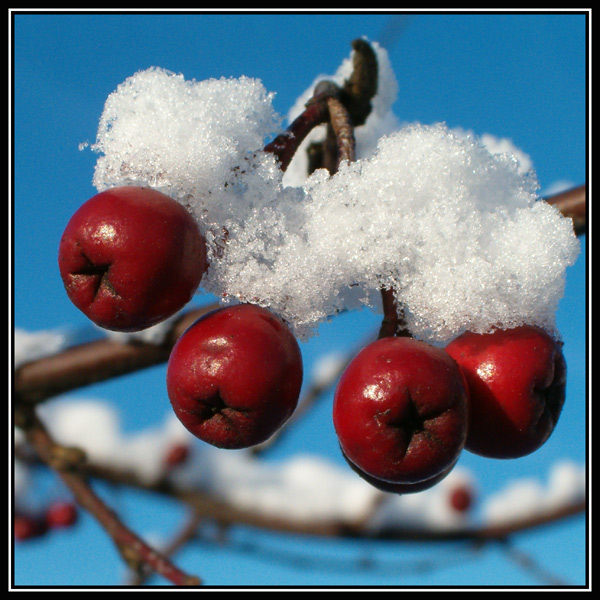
(27,527)
(61,514)
(517,381)
(461,498)
(234,377)
(176,455)
(130,257)
(400,411)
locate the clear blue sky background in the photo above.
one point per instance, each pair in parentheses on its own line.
(520,76)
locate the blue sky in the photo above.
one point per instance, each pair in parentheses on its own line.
(518,76)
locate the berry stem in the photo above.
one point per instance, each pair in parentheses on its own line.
(341,109)
(393,323)
(284,146)
(343,131)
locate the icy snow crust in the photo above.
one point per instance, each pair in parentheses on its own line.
(449,221)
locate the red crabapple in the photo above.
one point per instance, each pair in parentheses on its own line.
(176,455)
(234,376)
(130,257)
(461,498)
(61,514)
(26,527)
(400,410)
(517,380)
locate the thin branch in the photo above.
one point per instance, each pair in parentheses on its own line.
(341,109)
(393,323)
(572,203)
(84,364)
(284,146)
(361,87)
(187,533)
(213,507)
(343,131)
(68,464)
(528,564)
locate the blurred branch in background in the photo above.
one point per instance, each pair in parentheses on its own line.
(572,203)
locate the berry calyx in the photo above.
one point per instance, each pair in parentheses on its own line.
(130,257)
(234,376)
(517,382)
(400,411)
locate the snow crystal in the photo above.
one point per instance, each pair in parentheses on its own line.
(450,222)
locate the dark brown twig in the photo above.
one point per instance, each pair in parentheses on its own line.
(187,533)
(284,146)
(210,506)
(95,361)
(342,109)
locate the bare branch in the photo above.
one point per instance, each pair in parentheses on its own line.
(212,507)
(573,204)
(96,361)
(131,547)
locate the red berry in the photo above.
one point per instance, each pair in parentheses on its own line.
(61,514)
(400,411)
(130,257)
(517,381)
(176,455)
(461,498)
(234,376)
(26,527)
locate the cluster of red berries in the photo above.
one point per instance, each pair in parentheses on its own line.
(59,515)
(403,410)
(131,257)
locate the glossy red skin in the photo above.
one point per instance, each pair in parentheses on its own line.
(400,488)
(517,380)
(234,376)
(400,411)
(131,257)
